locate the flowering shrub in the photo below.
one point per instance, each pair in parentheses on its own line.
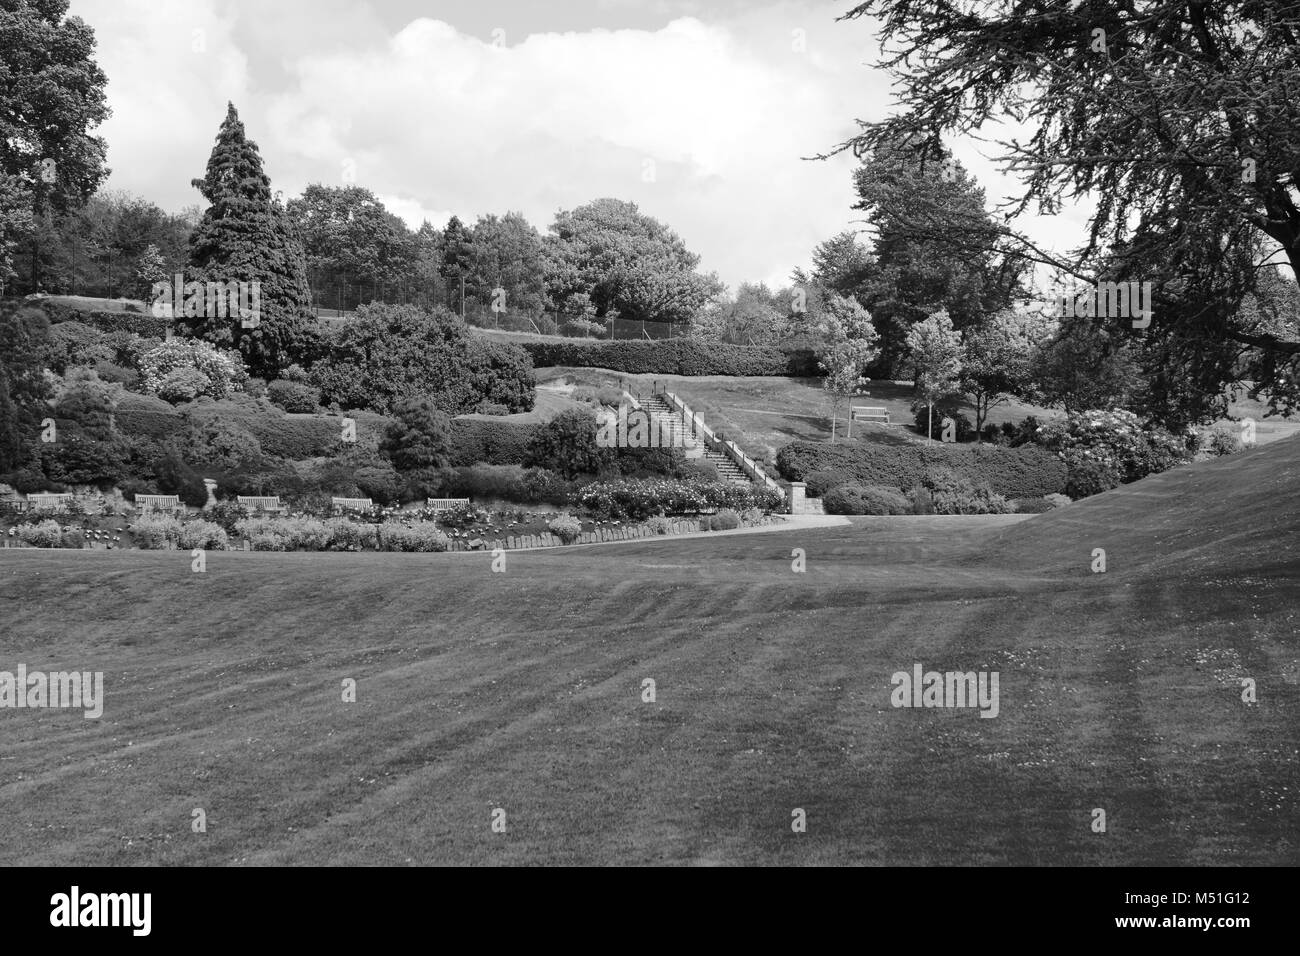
(152,532)
(658,524)
(222,371)
(1057,501)
(724,520)
(1224,441)
(202,534)
(348,535)
(422,536)
(42,534)
(954,495)
(1104,449)
(566,528)
(639,498)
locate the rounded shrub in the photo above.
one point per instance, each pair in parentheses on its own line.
(865,500)
(566,528)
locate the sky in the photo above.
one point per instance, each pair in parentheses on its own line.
(703,112)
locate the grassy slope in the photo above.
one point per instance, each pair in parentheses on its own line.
(521,690)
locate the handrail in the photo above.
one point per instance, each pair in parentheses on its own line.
(728,447)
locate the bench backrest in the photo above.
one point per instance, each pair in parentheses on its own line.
(446,504)
(40,500)
(357,504)
(158,501)
(271,503)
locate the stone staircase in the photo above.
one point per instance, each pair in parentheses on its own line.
(665,416)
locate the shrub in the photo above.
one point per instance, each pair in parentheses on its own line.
(1103,449)
(958,495)
(658,524)
(1057,501)
(73,343)
(1027,472)
(567,444)
(148,416)
(42,534)
(639,498)
(566,528)
(724,520)
(293,396)
(423,536)
(226,515)
(420,437)
(182,385)
(378,482)
(674,357)
(202,534)
(1224,441)
(389,352)
(222,372)
(347,535)
(154,531)
(72,538)
(264,534)
(492,442)
(139,323)
(922,501)
(866,500)
(1031,506)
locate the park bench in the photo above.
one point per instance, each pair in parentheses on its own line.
(871,413)
(256,503)
(41,500)
(161,502)
(446,504)
(352,504)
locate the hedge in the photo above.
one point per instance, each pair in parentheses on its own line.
(489,440)
(1025,472)
(141,323)
(146,416)
(674,357)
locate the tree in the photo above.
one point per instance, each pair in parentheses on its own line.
(420,437)
(24,342)
(934,352)
(150,269)
(1085,364)
(843,265)
(246,236)
(506,253)
(351,240)
(852,346)
(754,316)
(997,358)
(15,222)
(457,257)
(51,96)
(935,244)
(1178,116)
(626,264)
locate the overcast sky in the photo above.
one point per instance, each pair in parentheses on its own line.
(700,112)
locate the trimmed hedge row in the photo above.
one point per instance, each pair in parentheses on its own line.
(674,357)
(490,441)
(1025,472)
(141,323)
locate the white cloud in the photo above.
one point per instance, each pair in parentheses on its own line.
(435,120)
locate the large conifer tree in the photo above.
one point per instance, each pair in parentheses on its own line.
(245,235)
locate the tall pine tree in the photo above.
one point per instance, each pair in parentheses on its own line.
(245,235)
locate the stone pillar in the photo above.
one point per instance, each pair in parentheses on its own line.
(211,487)
(797,489)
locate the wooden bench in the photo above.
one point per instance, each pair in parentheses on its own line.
(255,503)
(39,500)
(352,504)
(162,502)
(446,504)
(870,413)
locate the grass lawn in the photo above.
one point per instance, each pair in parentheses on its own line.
(522,690)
